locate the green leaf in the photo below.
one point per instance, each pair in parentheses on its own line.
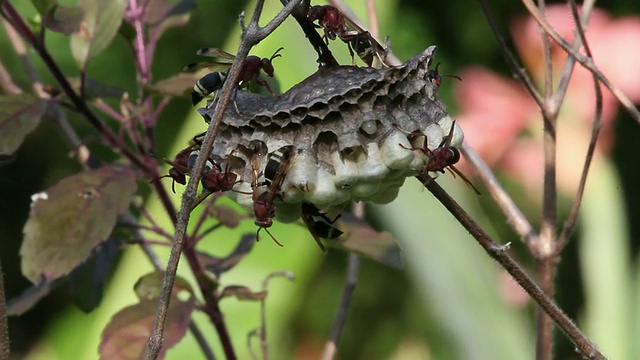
(70,219)
(19,116)
(64,19)
(362,238)
(100,25)
(43,6)
(127,334)
(150,285)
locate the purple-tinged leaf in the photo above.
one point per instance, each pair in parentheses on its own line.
(127,334)
(162,15)
(226,214)
(19,115)
(100,25)
(86,282)
(96,89)
(64,19)
(362,238)
(70,219)
(149,286)
(242,293)
(219,265)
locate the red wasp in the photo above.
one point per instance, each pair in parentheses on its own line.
(179,169)
(443,157)
(319,224)
(263,207)
(436,78)
(213,82)
(335,24)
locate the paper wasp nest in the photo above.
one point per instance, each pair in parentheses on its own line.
(343,123)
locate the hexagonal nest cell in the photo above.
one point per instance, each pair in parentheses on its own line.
(347,130)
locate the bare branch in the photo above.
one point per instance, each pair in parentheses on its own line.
(569,224)
(584,61)
(498,252)
(514,215)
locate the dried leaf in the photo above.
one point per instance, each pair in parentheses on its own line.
(127,334)
(19,115)
(100,25)
(219,265)
(242,293)
(64,19)
(150,285)
(70,219)
(362,238)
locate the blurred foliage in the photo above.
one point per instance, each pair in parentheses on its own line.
(447,304)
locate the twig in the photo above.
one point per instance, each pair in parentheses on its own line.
(585,61)
(498,253)
(517,69)
(353,268)
(251,35)
(569,224)
(514,215)
(4,327)
(6,82)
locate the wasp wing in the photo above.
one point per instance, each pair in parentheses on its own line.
(216,53)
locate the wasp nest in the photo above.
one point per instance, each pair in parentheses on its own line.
(349,131)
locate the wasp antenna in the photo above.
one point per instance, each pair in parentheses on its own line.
(275,54)
(272,237)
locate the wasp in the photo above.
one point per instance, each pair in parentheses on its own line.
(443,157)
(264,208)
(335,24)
(319,224)
(179,168)
(436,78)
(213,81)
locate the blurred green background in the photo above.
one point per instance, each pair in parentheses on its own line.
(446,304)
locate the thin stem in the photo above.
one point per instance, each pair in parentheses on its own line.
(4,326)
(353,268)
(570,223)
(514,215)
(142,62)
(251,35)
(585,61)
(498,252)
(517,69)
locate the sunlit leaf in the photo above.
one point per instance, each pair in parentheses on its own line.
(127,334)
(100,25)
(70,219)
(86,282)
(360,237)
(19,115)
(219,265)
(150,285)
(242,293)
(176,85)
(64,19)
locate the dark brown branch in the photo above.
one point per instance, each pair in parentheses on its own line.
(499,253)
